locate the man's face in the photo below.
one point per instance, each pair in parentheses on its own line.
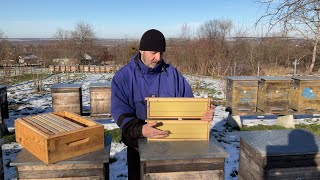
(151,58)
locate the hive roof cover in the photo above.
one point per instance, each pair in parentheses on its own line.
(282,142)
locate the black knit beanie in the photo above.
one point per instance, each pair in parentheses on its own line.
(153,40)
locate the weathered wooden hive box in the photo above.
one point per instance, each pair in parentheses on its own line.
(241,94)
(97,69)
(67,97)
(102,69)
(181,116)
(273,94)
(81,68)
(305,94)
(187,160)
(57,68)
(279,154)
(100,98)
(53,137)
(86,69)
(51,68)
(62,68)
(4,102)
(68,68)
(74,68)
(92,68)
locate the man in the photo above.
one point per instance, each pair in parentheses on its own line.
(146,75)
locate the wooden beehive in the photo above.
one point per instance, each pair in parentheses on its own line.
(102,69)
(92,68)
(56,68)
(68,68)
(62,68)
(74,68)
(181,116)
(86,68)
(187,160)
(81,68)
(279,154)
(4,102)
(100,98)
(241,94)
(273,94)
(93,165)
(305,94)
(53,137)
(51,68)
(67,97)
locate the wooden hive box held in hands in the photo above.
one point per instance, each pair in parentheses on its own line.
(53,137)
(100,98)
(241,94)
(67,97)
(168,111)
(305,94)
(273,94)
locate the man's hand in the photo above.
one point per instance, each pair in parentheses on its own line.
(149,131)
(208,116)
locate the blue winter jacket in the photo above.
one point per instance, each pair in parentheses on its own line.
(136,81)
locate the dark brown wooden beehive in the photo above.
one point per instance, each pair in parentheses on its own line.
(305,94)
(241,94)
(273,94)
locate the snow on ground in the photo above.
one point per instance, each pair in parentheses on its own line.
(25,102)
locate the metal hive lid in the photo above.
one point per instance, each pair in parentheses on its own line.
(305,78)
(282,142)
(277,78)
(107,84)
(242,78)
(61,85)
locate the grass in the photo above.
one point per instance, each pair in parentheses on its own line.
(9,138)
(25,77)
(314,128)
(115,134)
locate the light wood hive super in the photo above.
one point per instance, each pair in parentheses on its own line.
(181,116)
(58,136)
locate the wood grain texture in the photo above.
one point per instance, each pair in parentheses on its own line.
(100,100)
(183,129)
(273,96)
(177,107)
(52,142)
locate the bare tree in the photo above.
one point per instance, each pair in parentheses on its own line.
(83,35)
(64,42)
(185,32)
(302,16)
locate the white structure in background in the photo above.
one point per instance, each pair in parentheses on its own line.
(30,60)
